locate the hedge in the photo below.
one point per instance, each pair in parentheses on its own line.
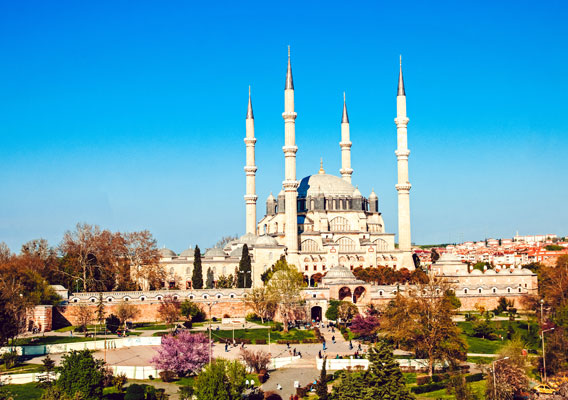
(475,377)
(427,388)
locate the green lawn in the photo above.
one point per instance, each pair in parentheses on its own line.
(254,334)
(481,360)
(28,391)
(43,340)
(527,332)
(478,387)
(23,368)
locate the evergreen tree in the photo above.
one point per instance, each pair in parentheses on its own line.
(244,279)
(81,373)
(210,279)
(383,379)
(100,310)
(321,386)
(197,277)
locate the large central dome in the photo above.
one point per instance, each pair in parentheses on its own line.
(329,185)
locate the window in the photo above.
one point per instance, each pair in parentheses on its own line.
(520,290)
(465,291)
(479,290)
(92,300)
(346,244)
(309,245)
(508,290)
(314,295)
(218,296)
(380,292)
(323,267)
(306,267)
(381,244)
(494,290)
(315,267)
(339,224)
(75,300)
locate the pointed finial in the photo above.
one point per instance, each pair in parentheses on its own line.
(289,80)
(321,171)
(250,115)
(400,91)
(344,116)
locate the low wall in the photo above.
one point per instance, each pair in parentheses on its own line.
(131,341)
(335,364)
(280,362)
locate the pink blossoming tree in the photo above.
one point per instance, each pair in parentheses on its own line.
(365,325)
(185,353)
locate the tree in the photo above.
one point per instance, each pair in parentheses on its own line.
(510,380)
(210,279)
(5,253)
(256,361)
(197,277)
(331,312)
(46,379)
(10,323)
(346,311)
(261,302)
(225,240)
(458,387)
(422,321)
(83,315)
(321,385)
(383,379)
(284,289)
(225,282)
(184,353)
(143,256)
(221,380)
(100,310)
(192,311)
(365,325)
(501,306)
(126,311)
(169,310)
(281,264)
(81,373)
(244,277)
(112,323)
(483,328)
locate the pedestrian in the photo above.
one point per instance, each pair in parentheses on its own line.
(294,352)
(359,347)
(350,345)
(300,354)
(323,344)
(278,386)
(226,347)
(333,339)
(288,344)
(319,354)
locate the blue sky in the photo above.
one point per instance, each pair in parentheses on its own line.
(130,115)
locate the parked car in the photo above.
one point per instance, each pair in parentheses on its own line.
(543,388)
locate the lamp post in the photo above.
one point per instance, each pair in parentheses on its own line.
(541,311)
(210,304)
(494,379)
(544,354)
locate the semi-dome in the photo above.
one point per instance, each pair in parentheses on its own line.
(266,240)
(167,253)
(215,252)
(340,275)
(249,239)
(328,185)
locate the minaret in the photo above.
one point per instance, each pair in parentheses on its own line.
(403,185)
(290,184)
(250,170)
(345,145)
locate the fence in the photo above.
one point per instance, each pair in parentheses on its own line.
(406,364)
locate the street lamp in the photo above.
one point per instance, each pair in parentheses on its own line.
(210,304)
(494,379)
(544,354)
(541,312)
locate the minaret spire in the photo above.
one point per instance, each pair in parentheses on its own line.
(345,145)
(290,184)
(403,186)
(400,91)
(250,115)
(250,171)
(289,80)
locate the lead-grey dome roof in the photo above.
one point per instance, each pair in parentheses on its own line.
(187,253)
(266,240)
(215,252)
(329,185)
(167,253)
(249,239)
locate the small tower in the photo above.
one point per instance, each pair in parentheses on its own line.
(345,145)
(373,202)
(403,186)
(281,202)
(357,200)
(290,184)
(270,205)
(250,170)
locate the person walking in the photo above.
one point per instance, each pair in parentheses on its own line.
(323,345)
(333,339)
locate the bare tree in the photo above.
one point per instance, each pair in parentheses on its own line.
(284,289)
(5,253)
(126,311)
(143,258)
(169,310)
(83,315)
(261,302)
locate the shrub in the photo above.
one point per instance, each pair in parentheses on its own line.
(135,392)
(423,380)
(112,323)
(187,324)
(277,327)
(255,360)
(263,376)
(474,377)
(440,377)
(119,381)
(252,317)
(167,376)
(260,341)
(427,388)
(81,373)
(80,329)
(10,359)
(226,316)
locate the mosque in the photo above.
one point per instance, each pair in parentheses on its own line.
(317,222)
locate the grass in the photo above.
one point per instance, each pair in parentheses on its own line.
(23,368)
(254,334)
(483,346)
(27,391)
(44,340)
(477,387)
(152,327)
(481,360)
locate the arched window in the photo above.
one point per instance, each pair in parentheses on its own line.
(465,291)
(309,245)
(346,244)
(276,227)
(339,224)
(265,229)
(381,244)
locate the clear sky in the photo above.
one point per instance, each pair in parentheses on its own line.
(130,115)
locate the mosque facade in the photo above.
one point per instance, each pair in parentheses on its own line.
(316,222)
